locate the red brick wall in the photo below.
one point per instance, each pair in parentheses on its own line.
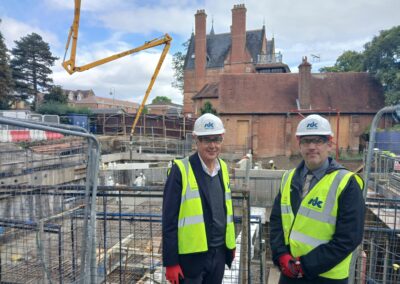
(274,135)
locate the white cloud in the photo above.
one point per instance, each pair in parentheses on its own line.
(128,77)
(87,5)
(13,30)
(148,19)
(301,28)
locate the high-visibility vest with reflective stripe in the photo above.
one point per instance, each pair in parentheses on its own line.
(192,236)
(315,221)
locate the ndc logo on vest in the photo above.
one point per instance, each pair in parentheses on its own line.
(312,125)
(315,202)
(209,125)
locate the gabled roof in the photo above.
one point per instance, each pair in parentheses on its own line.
(101,100)
(219,45)
(350,92)
(163,104)
(208,91)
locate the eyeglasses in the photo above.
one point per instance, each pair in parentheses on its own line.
(211,139)
(314,140)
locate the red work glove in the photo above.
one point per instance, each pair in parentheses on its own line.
(233,254)
(173,274)
(290,267)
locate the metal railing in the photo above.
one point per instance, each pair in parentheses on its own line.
(377,260)
(41,243)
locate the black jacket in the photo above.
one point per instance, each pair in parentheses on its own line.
(191,264)
(348,234)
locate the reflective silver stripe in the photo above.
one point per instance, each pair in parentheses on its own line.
(229,218)
(297,236)
(331,198)
(190,194)
(190,221)
(228,196)
(325,215)
(320,216)
(284,179)
(286,209)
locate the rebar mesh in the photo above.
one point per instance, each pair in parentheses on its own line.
(378,258)
(42,239)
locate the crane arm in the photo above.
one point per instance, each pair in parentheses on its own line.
(70,66)
(153,79)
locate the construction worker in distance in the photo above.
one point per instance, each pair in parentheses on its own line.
(317,219)
(271,165)
(198,234)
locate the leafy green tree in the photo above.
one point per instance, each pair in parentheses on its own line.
(6,82)
(382,59)
(56,94)
(31,64)
(178,62)
(348,61)
(161,99)
(208,108)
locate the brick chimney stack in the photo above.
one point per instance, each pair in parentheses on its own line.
(200,46)
(305,84)
(238,32)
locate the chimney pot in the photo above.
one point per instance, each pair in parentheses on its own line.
(200,48)
(238,34)
(304,91)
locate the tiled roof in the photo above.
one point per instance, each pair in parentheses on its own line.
(208,91)
(277,93)
(219,45)
(164,104)
(101,100)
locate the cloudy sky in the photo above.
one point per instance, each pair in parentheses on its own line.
(324,28)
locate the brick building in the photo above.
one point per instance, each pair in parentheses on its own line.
(164,108)
(261,111)
(95,102)
(211,55)
(260,101)
(87,98)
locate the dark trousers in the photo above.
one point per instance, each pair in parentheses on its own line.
(213,269)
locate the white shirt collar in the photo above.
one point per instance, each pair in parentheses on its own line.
(207,171)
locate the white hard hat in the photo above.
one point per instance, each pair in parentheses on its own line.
(271,161)
(314,124)
(208,124)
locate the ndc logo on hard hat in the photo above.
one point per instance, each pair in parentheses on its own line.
(209,125)
(312,125)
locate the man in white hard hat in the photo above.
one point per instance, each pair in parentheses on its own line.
(197,222)
(271,165)
(318,215)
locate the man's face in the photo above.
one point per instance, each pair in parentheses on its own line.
(314,150)
(209,147)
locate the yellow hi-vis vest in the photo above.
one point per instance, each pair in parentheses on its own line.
(192,236)
(315,221)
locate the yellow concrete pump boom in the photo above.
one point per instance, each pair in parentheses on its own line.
(70,67)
